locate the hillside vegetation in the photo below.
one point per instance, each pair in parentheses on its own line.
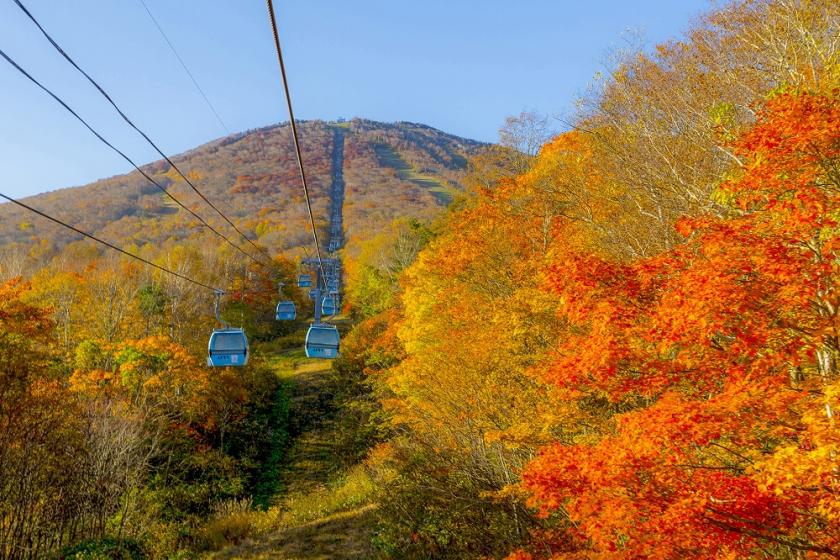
(116,438)
(253,178)
(616,342)
(625,346)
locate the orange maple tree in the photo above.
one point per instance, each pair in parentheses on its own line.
(710,371)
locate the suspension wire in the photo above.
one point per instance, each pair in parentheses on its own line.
(298,152)
(108,244)
(184,66)
(125,157)
(143,134)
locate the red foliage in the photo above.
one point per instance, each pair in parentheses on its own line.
(710,359)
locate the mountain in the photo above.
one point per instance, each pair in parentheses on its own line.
(390,170)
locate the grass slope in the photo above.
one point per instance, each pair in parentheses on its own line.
(388,157)
(322,511)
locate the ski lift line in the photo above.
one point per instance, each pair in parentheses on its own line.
(298,152)
(123,155)
(108,244)
(184,66)
(105,94)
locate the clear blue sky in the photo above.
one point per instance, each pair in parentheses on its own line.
(458,65)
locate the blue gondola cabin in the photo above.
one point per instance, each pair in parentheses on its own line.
(328,306)
(322,341)
(286,311)
(227,347)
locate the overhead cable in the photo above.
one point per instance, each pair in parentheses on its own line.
(110,100)
(123,155)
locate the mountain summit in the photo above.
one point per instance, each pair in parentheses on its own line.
(390,169)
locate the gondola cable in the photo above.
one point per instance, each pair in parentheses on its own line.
(322,339)
(295,137)
(110,100)
(124,156)
(228,346)
(184,66)
(107,243)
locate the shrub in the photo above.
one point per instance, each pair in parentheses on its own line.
(107,548)
(233,522)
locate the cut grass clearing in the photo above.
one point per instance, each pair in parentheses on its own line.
(345,492)
(334,537)
(323,511)
(388,157)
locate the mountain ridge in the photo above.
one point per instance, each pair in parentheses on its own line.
(392,170)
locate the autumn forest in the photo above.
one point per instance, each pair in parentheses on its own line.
(608,336)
